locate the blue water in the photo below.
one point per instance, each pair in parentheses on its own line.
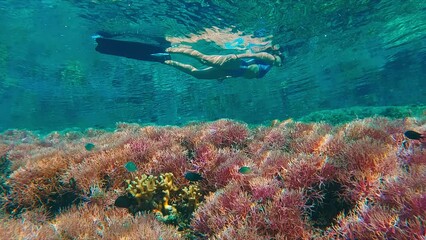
(339,54)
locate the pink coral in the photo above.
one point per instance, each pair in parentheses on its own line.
(303,171)
(282,216)
(211,218)
(226,133)
(263,189)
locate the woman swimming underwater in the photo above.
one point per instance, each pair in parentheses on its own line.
(246,65)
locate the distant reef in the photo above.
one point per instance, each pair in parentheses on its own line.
(342,115)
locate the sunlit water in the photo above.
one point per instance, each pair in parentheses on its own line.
(339,54)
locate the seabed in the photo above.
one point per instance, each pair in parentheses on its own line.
(290,179)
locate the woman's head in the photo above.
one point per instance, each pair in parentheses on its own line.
(275,50)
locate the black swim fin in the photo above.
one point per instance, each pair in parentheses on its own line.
(134,50)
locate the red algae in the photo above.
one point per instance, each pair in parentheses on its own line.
(359,180)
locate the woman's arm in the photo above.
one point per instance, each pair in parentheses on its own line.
(205,73)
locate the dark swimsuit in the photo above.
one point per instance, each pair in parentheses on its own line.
(245,62)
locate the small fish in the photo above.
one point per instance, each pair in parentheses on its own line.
(124,202)
(89,146)
(131,167)
(414,135)
(193,176)
(244,170)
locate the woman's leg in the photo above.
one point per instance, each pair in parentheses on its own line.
(223,61)
(186,51)
(205,73)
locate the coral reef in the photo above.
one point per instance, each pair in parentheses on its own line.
(359,180)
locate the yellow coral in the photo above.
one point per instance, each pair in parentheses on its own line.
(166,182)
(153,193)
(192,195)
(160,195)
(142,188)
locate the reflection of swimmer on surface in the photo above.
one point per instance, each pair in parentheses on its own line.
(226,38)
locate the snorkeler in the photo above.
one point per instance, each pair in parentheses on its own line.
(247,65)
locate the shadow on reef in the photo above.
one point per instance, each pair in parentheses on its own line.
(53,204)
(64,199)
(324,211)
